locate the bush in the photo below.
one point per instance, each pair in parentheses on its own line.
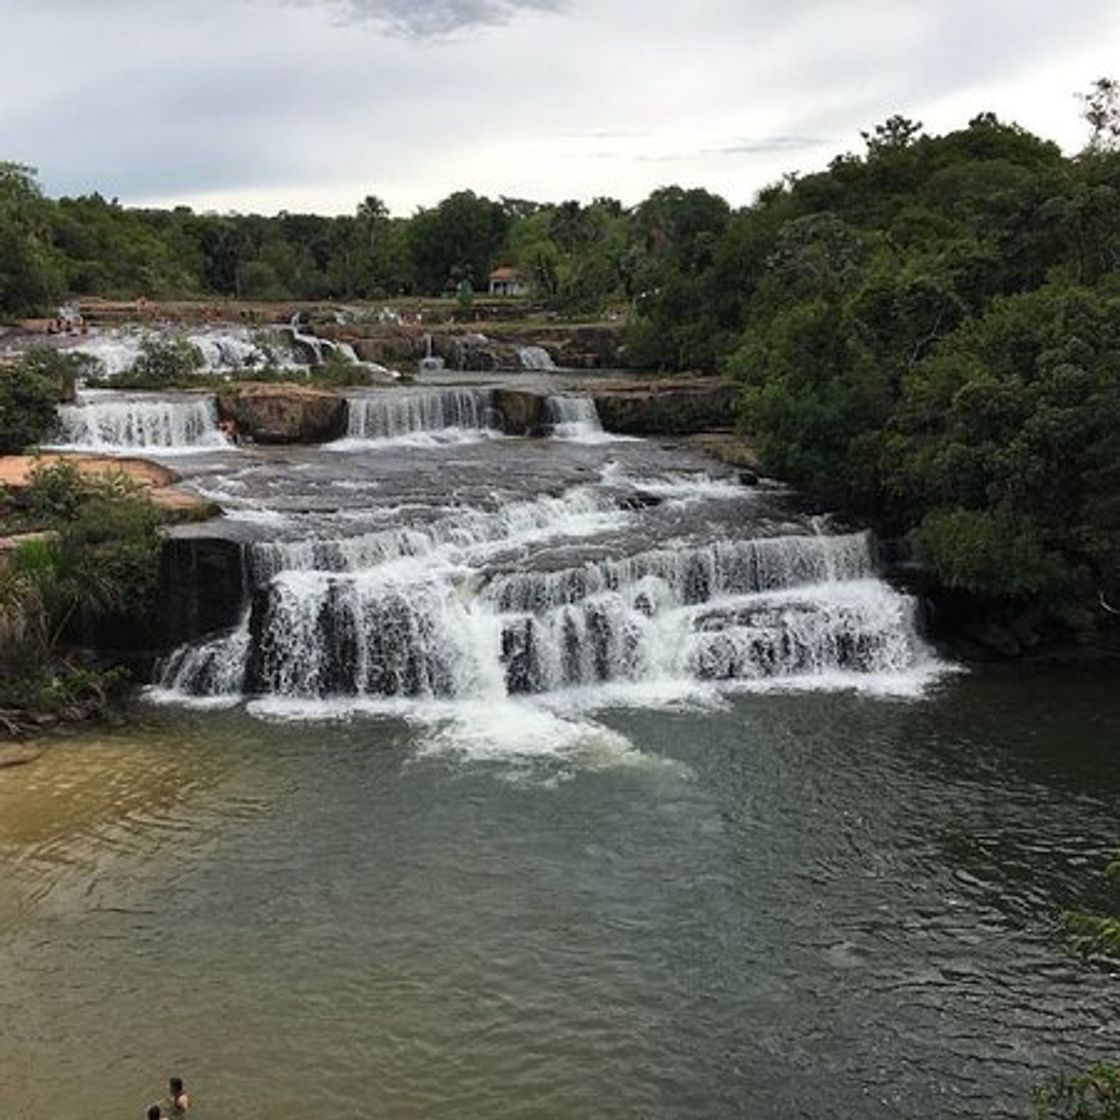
(28,400)
(101,562)
(1094,1095)
(164,363)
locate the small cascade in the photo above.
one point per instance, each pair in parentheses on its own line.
(440,415)
(573,418)
(429,363)
(118,425)
(313,348)
(229,351)
(223,350)
(535,358)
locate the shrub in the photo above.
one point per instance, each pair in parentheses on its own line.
(165,362)
(28,400)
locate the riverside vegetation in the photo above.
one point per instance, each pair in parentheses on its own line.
(926,333)
(89,558)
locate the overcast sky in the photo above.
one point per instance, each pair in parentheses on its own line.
(262,105)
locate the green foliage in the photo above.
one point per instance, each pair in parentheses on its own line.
(1094,1095)
(1096,935)
(1091,935)
(456,241)
(28,400)
(99,560)
(1102,112)
(55,491)
(167,360)
(1086,1096)
(30,278)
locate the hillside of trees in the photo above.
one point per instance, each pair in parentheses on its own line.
(927,333)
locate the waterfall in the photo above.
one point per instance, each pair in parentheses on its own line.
(430,363)
(223,350)
(535,358)
(574,418)
(423,416)
(433,614)
(125,424)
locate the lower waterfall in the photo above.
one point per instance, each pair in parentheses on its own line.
(448,612)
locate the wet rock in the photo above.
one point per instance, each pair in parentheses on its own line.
(284,413)
(17,754)
(523,412)
(203,586)
(666,407)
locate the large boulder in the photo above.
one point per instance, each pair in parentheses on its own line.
(660,406)
(284,412)
(523,412)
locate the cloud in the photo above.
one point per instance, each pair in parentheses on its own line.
(435,19)
(765,144)
(760,145)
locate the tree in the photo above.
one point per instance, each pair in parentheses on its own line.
(1102,112)
(456,240)
(893,135)
(28,406)
(30,280)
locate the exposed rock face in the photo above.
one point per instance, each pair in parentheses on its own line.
(663,407)
(203,586)
(483,346)
(284,413)
(523,412)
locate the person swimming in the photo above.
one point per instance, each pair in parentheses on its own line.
(178,1100)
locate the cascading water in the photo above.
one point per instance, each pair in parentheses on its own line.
(223,350)
(535,358)
(574,418)
(118,424)
(430,362)
(422,416)
(449,612)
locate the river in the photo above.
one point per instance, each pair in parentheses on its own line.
(645,798)
(810,905)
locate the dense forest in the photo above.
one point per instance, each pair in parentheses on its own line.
(927,333)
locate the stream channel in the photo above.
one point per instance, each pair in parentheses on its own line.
(557,777)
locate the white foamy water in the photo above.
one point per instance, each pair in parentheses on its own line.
(576,419)
(126,425)
(420,418)
(535,358)
(223,350)
(432,616)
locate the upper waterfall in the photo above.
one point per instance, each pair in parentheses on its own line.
(535,358)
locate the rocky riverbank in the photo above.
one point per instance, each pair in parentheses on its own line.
(160,482)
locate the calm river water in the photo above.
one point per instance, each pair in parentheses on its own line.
(789,905)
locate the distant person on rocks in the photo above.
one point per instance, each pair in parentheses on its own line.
(178,1101)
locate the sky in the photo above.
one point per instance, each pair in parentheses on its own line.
(311,105)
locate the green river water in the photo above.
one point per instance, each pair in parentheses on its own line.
(790,905)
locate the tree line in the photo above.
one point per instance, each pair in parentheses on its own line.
(927,332)
(576,258)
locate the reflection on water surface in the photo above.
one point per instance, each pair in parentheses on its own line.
(787,905)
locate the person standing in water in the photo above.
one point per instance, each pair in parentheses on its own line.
(178,1101)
